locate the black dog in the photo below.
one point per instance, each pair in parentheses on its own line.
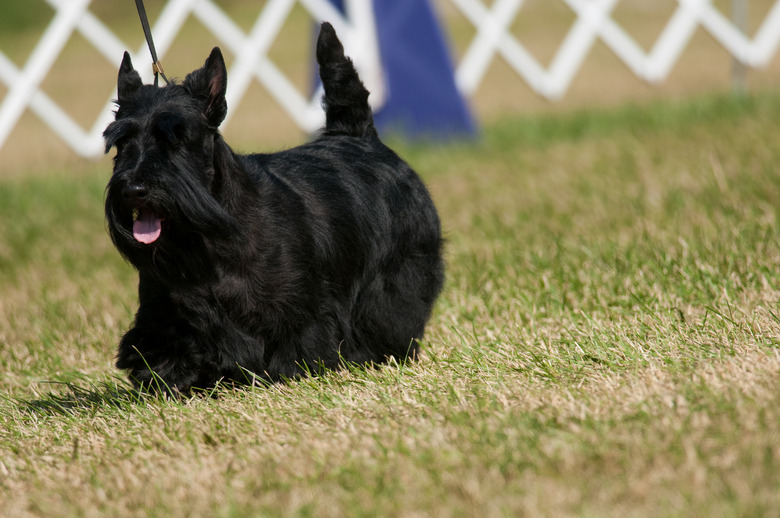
(265,266)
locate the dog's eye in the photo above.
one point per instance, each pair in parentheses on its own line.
(170,129)
(117,134)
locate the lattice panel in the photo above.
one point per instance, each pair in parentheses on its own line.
(492,40)
(250,50)
(594,21)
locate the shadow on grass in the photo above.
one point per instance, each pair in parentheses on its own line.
(118,394)
(103,396)
(79,400)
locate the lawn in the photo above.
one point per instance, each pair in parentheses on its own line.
(607,344)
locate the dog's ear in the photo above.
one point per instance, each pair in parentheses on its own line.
(210,84)
(128,81)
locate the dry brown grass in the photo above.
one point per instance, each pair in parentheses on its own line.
(606,345)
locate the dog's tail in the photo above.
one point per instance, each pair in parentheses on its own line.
(346,99)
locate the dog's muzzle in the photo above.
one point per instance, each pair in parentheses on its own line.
(147,223)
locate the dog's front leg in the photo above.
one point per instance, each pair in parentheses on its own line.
(160,360)
(163,351)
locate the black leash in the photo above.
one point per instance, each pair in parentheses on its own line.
(156,65)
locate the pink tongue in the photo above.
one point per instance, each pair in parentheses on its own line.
(146,229)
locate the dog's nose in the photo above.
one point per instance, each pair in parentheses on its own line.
(134,193)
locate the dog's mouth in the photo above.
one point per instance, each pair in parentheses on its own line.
(147,225)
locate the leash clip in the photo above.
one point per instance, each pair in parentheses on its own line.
(156,65)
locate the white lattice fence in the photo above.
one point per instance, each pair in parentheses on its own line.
(250,52)
(594,21)
(493,39)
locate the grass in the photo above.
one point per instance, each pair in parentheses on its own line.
(606,345)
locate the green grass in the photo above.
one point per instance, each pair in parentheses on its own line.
(606,345)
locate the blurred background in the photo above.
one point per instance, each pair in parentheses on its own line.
(82,79)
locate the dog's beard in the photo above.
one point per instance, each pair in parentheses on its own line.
(174,232)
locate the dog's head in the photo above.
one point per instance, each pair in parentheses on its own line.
(160,201)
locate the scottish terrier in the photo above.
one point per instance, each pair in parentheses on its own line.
(265,266)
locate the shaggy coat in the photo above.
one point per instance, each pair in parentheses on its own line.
(266,266)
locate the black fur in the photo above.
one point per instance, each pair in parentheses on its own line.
(273,264)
